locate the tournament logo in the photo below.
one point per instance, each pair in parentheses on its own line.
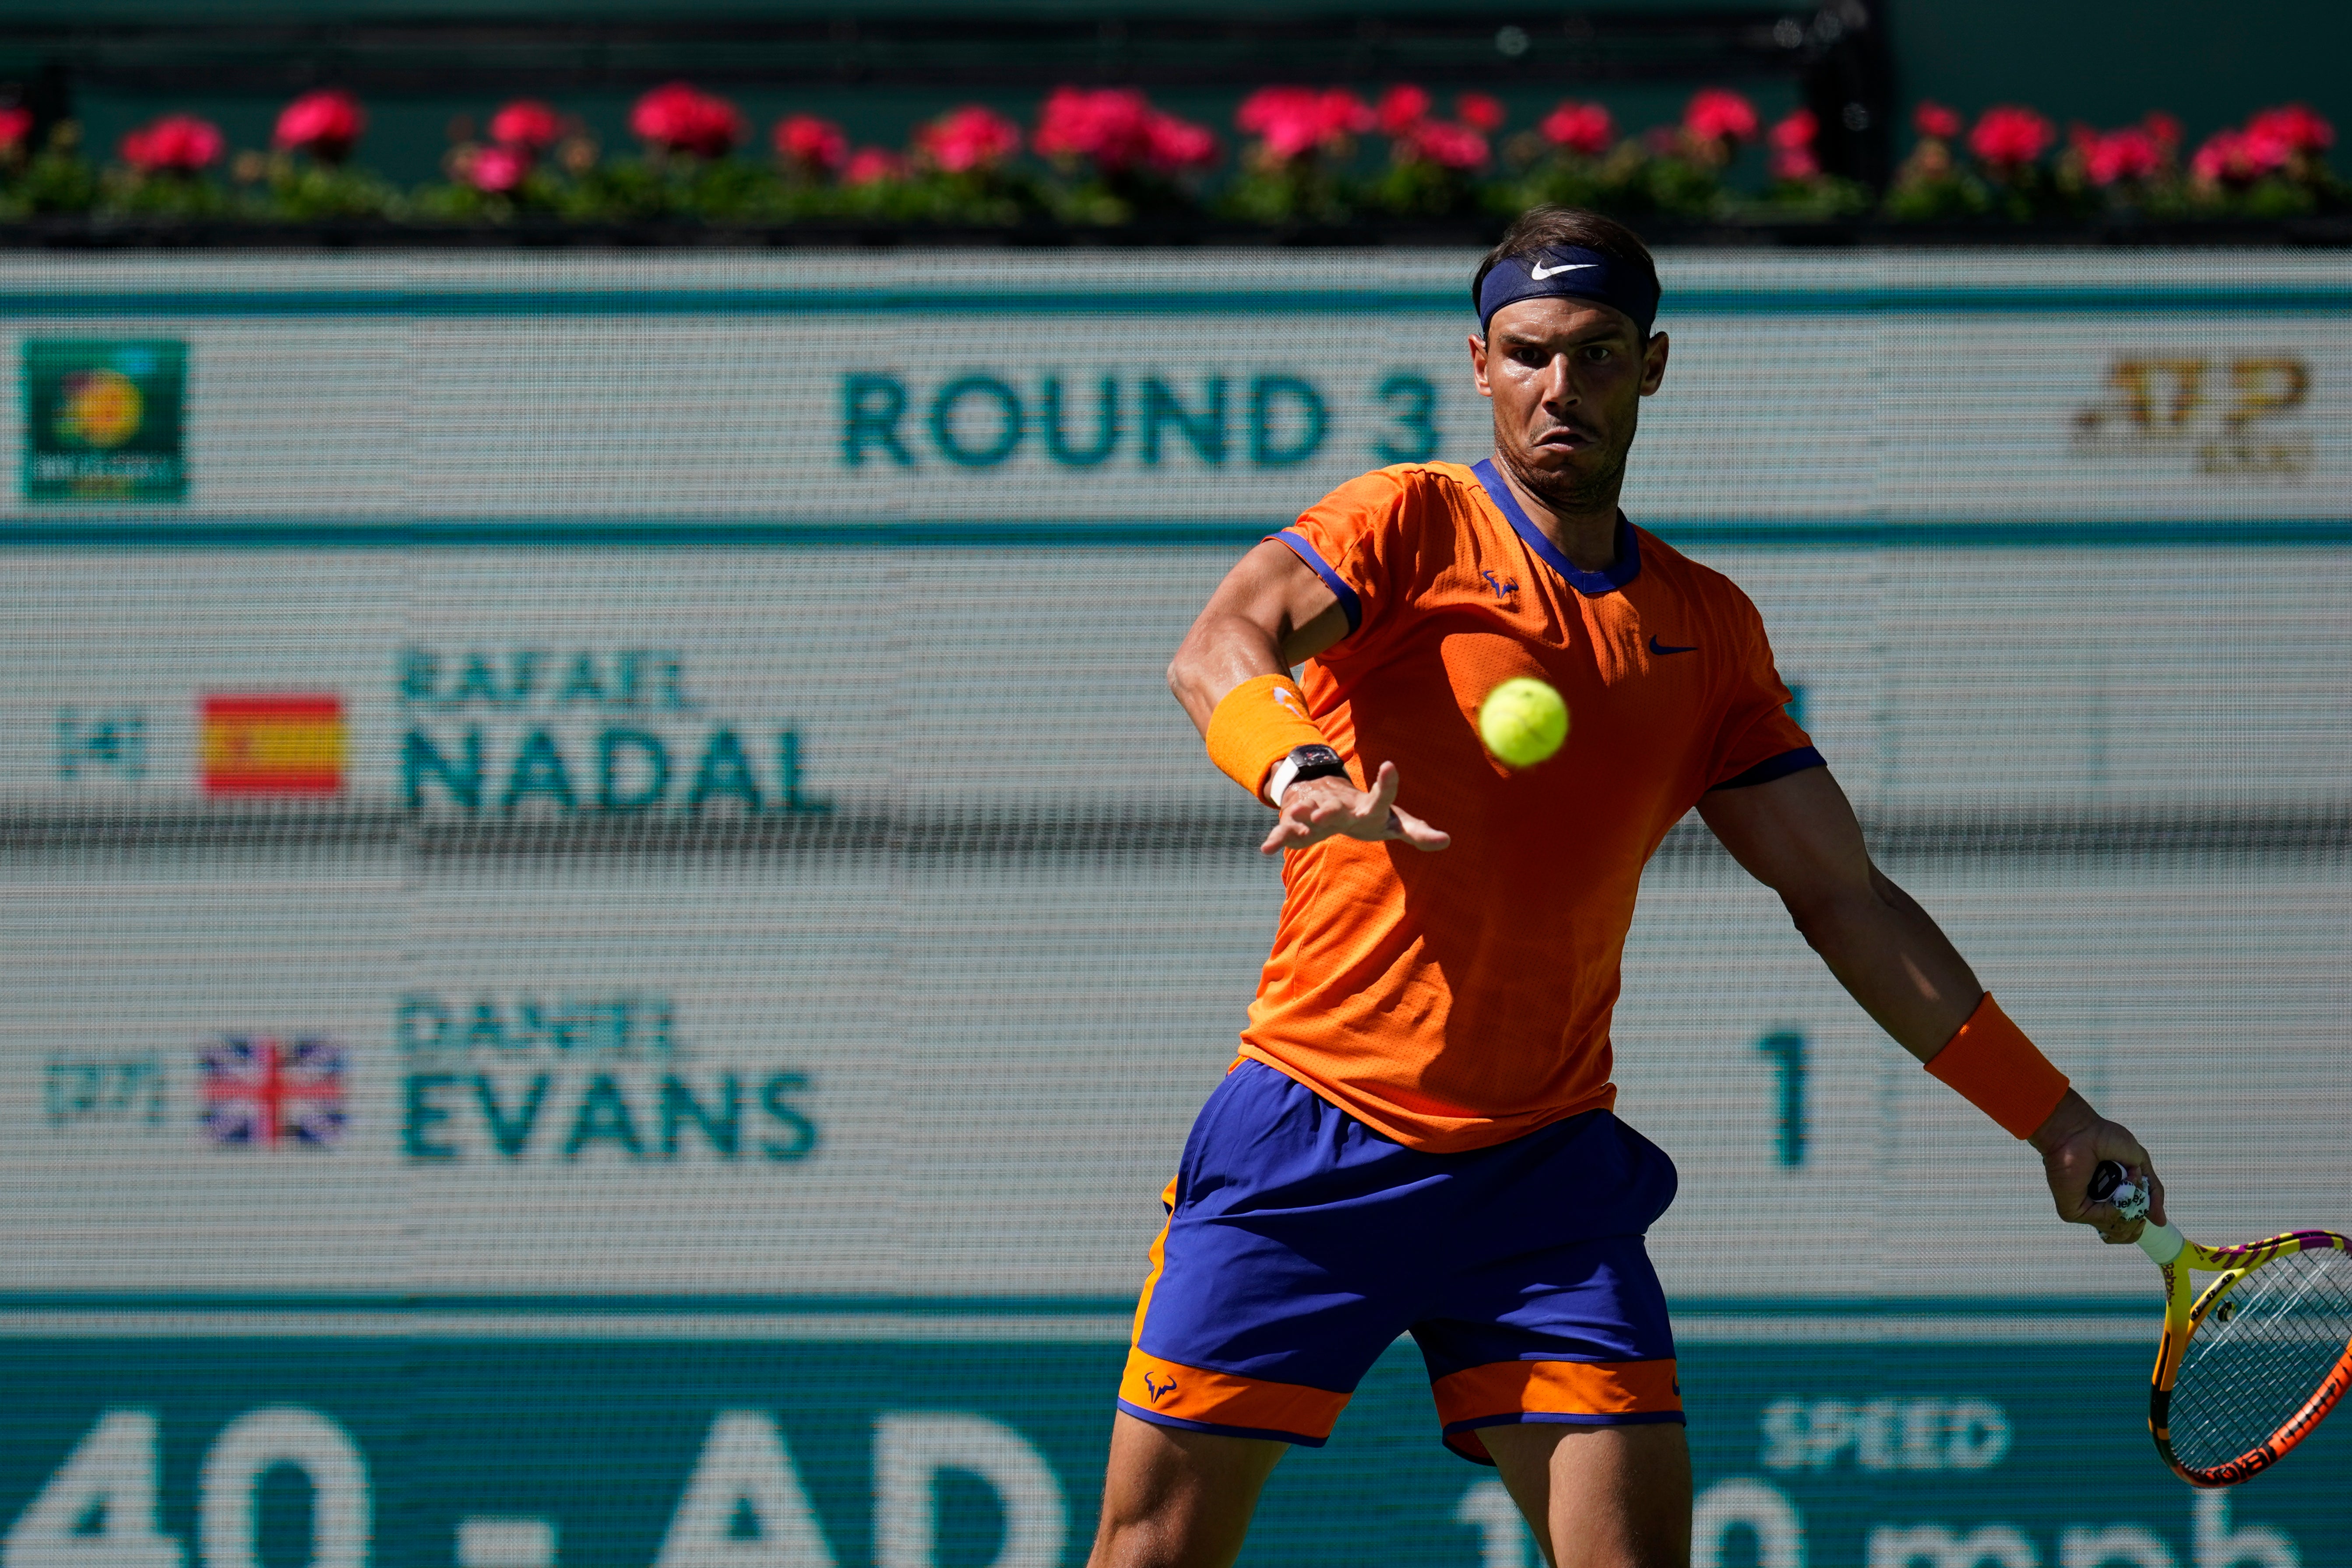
(103,419)
(290,743)
(261,1091)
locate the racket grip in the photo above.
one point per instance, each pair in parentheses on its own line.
(2161,1242)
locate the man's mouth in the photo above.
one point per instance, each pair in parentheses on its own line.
(1564,439)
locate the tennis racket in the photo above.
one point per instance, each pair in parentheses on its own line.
(2251,1364)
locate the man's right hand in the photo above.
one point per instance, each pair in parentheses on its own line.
(1317,809)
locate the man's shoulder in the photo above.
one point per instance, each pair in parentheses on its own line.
(1694,579)
(1406,488)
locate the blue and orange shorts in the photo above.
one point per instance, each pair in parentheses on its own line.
(1300,1243)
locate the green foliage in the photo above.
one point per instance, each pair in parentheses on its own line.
(56,179)
(1426,190)
(304,190)
(1302,190)
(131,193)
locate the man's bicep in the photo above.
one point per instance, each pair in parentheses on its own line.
(1796,834)
(1274,590)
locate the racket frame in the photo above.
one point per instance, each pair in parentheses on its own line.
(2185,1310)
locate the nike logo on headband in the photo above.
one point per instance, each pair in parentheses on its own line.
(1540,273)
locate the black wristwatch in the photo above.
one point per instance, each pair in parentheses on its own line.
(1304,763)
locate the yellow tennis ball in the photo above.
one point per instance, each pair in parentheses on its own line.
(1523,721)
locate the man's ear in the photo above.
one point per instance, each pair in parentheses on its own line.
(1654,362)
(1478,364)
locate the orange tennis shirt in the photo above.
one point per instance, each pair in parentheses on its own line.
(1459,999)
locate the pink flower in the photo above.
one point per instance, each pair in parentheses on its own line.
(972,137)
(1584,129)
(2296,124)
(870,165)
(678,118)
(1117,129)
(814,145)
(2239,157)
(1792,146)
(2165,128)
(1444,144)
(525,123)
(1716,114)
(16,124)
(1798,129)
(2008,137)
(1481,111)
(326,125)
(1111,127)
(180,143)
(1180,144)
(1291,121)
(497,168)
(1401,108)
(2130,154)
(1932,119)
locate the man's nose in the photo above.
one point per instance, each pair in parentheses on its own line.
(1559,386)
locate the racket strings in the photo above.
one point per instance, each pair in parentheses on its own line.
(2259,1353)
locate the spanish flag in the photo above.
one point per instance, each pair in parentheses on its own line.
(279,744)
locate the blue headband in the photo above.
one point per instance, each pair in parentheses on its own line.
(1569,272)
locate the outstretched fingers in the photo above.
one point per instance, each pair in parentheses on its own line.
(1317,809)
(1400,825)
(1403,825)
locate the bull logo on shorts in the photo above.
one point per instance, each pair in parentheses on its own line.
(1157,1391)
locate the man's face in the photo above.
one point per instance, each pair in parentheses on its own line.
(1567,377)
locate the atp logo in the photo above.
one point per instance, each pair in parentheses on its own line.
(2154,404)
(1504,586)
(1158,1390)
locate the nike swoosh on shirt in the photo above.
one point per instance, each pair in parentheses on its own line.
(1657,646)
(1540,273)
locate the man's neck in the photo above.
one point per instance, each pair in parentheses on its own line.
(1586,534)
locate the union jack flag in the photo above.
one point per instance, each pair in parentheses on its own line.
(261,1091)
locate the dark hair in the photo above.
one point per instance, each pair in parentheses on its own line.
(1539,229)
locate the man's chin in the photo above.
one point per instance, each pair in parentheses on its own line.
(1569,476)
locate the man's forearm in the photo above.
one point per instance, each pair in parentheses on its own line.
(1894,959)
(1218,653)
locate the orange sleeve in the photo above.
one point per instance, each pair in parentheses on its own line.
(1352,539)
(1756,741)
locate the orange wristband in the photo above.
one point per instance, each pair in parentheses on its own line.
(1999,1071)
(1256,726)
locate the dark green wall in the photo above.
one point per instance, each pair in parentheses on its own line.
(2110,61)
(2105,61)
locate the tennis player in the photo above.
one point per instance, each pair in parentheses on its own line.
(1418,1135)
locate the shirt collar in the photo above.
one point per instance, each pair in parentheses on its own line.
(1591,585)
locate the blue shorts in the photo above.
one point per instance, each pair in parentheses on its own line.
(1300,1244)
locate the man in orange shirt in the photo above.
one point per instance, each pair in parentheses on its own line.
(1419,1137)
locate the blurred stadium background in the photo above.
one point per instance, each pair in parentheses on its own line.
(611,934)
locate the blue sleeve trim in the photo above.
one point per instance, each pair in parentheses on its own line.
(1778,767)
(1157,1419)
(1337,584)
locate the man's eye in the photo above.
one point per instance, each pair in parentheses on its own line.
(1598,352)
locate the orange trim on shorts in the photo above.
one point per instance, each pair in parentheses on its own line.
(1599,1391)
(1158,1256)
(1226,1402)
